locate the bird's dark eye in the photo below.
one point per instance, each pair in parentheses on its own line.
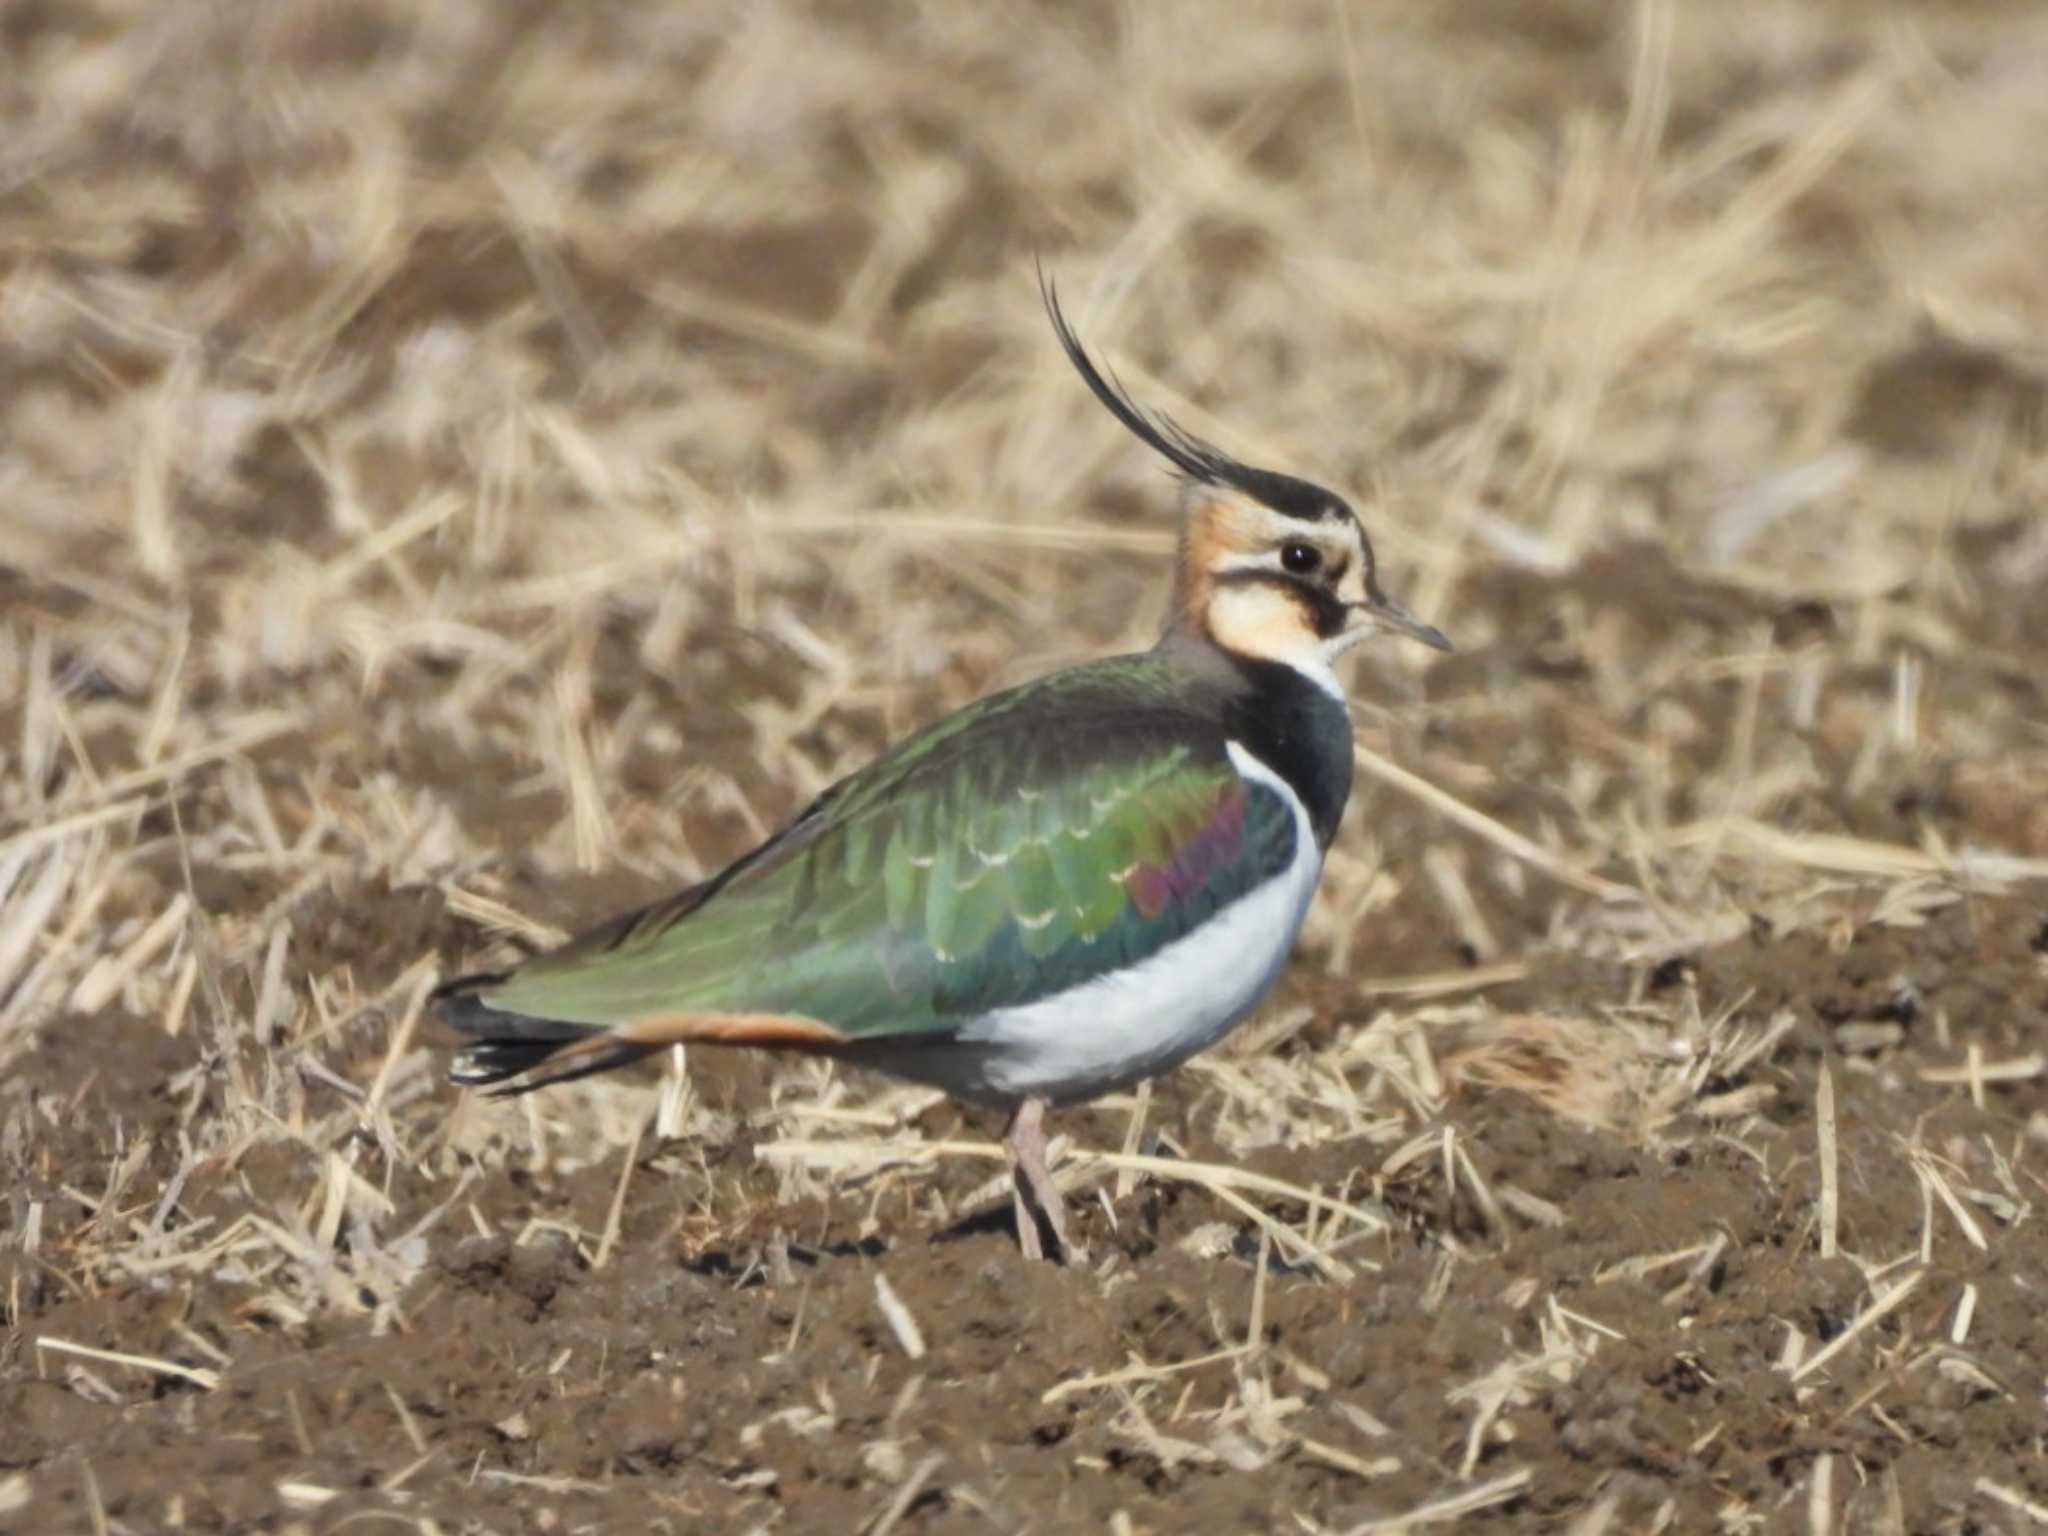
(1300,559)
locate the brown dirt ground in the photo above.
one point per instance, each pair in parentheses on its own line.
(430,451)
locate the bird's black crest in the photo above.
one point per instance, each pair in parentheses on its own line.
(1199,461)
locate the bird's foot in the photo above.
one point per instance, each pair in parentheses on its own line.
(1034,1194)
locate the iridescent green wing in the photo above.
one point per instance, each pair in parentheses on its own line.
(1023,847)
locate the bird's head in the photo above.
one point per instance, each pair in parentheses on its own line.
(1271,567)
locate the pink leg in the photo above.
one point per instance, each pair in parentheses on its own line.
(1033,1190)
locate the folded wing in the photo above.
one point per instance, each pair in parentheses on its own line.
(982,866)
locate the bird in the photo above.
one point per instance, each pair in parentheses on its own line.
(1049,895)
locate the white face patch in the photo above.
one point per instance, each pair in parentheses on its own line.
(1276,619)
(1266,621)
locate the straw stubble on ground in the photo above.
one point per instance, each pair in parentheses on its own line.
(468,469)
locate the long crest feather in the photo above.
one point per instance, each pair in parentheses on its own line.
(1199,461)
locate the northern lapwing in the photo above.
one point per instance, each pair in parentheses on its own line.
(1047,896)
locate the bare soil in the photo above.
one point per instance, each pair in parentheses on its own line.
(466,472)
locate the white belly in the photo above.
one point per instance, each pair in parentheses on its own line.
(1109,1033)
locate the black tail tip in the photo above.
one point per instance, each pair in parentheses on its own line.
(489,1062)
(503,1045)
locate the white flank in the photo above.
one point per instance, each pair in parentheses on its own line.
(1111,1032)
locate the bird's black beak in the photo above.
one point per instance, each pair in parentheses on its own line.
(1382,612)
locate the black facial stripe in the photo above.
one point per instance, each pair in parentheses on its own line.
(1198,460)
(1325,608)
